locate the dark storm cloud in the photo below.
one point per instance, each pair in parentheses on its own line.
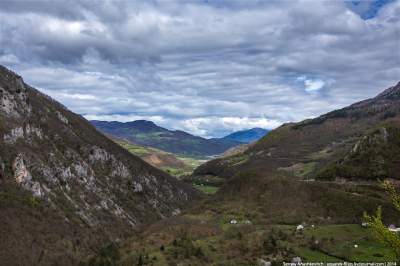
(206,67)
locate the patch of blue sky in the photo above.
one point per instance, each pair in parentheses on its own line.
(367,9)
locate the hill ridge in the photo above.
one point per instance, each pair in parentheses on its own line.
(174,141)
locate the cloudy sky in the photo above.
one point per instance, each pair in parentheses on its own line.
(206,67)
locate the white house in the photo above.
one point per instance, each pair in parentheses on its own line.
(300,227)
(296,260)
(393,228)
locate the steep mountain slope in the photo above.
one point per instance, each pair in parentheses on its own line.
(64,187)
(375,156)
(304,149)
(237,150)
(247,136)
(178,142)
(306,171)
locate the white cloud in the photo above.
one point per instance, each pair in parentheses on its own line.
(313,85)
(203,67)
(221,126)
(126,118)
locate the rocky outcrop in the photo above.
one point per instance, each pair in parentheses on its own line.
(24,178)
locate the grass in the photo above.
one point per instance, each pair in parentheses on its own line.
(237,159)
(192,161)
(346,236)
(176,171)
(300,169)
(136,149)
(314,256)
(206,180)
(206,189)
(11,194)
(243,244)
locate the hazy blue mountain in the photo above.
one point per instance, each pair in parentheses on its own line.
(247,136)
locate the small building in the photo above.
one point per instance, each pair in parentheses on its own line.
(233,221)
(261,262)
(300,227)
(296,260)
(364,224)
(393,228)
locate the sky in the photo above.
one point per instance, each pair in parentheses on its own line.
(205,67)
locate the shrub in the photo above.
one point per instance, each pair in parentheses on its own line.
(107,256)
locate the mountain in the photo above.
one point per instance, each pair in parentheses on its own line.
(247,136)
(301,171)
(338,139)
(178,142)
(65,188)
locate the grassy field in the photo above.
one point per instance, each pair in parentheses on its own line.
(242,232)
(346,242)
(136,149)
(191,161)
(202,240)
(207,189)
(190,164)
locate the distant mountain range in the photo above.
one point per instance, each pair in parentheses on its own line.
(247,136)
(175,141)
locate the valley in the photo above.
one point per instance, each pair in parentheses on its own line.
(206,244)
(298,193)
(180,164)
(200,133)
(279,201)
(175,165)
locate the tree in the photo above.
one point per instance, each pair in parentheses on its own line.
(140,261)
(388,238)
(270,244)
